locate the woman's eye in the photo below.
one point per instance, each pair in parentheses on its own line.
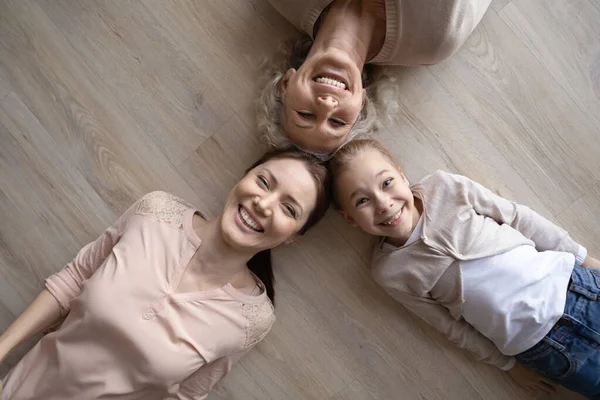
(290,210)
(360,202)
(263,181)
(387,182)
(305,114)
(337,122)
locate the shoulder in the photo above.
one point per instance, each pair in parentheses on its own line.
(389,271)
(259,318)
(386,263)
(163,207)
(440,176)
(440,184)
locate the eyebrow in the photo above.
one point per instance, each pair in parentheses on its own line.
(359,189)
(291,198)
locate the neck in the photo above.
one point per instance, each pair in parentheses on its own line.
(349,27)
(215,258)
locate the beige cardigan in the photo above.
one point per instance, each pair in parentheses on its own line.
(462,220)
(418,32)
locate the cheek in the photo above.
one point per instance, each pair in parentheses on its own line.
(356,104)
(362,217)
(244,188)
(284,227)
(296,93)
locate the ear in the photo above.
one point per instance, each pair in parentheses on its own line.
(364,98)
(349,219)
(283,84)
(292,239)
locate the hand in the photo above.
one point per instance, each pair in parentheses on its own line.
(591,263)
(531,381)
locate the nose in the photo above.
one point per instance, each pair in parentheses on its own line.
(263,205)
(327,102)
(383,203)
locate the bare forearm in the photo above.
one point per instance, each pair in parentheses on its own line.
(591,262)
(41,313)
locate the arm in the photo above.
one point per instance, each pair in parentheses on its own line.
(457,331)
(41,313)
(53,303)
(591,263)
(66,284)
(545,234)
(199,384)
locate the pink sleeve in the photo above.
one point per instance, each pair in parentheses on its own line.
(199,384)
(65,285)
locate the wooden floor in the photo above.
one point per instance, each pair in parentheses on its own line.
(102,101)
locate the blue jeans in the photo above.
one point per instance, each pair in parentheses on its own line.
(570,353)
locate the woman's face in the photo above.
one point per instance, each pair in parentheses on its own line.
(322,100)
(269,205)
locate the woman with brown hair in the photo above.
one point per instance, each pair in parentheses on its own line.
(164,302)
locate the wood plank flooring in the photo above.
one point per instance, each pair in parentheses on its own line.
(102,101)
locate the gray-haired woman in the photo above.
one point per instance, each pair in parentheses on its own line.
(317,97)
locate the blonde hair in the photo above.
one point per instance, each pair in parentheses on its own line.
(346,154)
(269,104)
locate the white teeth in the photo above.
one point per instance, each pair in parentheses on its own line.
(248,220)
(393,219)
(331,81)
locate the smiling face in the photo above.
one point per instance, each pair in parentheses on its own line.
(322,101)
(269,205)
(374,194)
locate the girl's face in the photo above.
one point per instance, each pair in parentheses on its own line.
(375,195)
(269,205)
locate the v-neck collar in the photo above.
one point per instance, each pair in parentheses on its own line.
(196,242)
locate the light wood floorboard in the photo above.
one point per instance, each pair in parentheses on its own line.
(103,101)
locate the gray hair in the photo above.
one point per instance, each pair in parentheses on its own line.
(269,104)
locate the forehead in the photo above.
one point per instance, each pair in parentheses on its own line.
(293,178)
(361,170)
(369,162)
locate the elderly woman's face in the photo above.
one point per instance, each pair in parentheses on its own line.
(269,206)
(322,101)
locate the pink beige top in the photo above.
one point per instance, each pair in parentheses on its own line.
(127,334)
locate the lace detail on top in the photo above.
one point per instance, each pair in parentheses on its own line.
(164,207)
(259,320)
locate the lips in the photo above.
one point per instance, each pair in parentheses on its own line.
(332,80)
(394,219)
(249,220)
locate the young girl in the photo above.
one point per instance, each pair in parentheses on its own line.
(494,276)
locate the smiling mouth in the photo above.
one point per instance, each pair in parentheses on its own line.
(329,80)
(248,221)
(394,219)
